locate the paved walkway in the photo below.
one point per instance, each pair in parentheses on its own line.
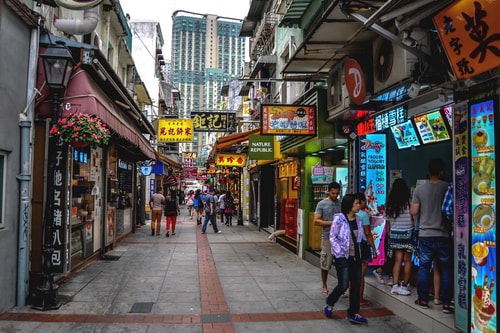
(235,281)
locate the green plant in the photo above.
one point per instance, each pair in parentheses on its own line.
(81,127)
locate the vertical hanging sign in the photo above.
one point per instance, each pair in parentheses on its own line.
(57,214)
(373,171)
(461,207)
(483,293)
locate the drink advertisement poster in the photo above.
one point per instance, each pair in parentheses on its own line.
(461,210)
(373,171)
(483,282)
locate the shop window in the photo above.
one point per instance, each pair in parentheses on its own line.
(2,187)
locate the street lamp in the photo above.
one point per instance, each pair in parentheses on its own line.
(58,64)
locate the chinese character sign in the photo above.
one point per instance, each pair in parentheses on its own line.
(280,119)
(234,160)
(373,171)
(214,121)
(484,261)
(470,33)
(175,130)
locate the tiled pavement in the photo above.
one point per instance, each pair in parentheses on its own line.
(236,281)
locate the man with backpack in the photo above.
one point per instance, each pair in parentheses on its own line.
(210,213)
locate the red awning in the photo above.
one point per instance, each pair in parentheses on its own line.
(84,95)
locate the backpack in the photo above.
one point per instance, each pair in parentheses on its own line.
(201,204)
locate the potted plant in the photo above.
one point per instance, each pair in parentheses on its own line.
(81,130)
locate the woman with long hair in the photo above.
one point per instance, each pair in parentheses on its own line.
(229,208)
(345,235)
(400,227)
(171,211)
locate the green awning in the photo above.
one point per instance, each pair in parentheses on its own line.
(294,13)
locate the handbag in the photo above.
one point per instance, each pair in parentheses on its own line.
(362,249)
(190,202)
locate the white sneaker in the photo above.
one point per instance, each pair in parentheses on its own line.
(404,290)
(378,276)
(395,289)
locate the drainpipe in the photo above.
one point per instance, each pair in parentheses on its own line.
(24,175)
(24,178)
(79,27)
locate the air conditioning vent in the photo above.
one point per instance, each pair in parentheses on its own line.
(338,98)
(391,64)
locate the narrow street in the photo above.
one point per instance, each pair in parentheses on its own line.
(235,281)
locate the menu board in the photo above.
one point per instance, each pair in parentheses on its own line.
(405,135)
(431,127)
(483,201)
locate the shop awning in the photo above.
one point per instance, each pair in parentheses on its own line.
(233,139)
(228,141)
(171,163)
(84,95)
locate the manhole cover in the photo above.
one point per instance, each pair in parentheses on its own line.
(142,307)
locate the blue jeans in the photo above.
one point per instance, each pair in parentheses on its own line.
(213,220)
(430,248)
(348,270)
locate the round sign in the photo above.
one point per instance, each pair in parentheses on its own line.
(146,170)
(355,81)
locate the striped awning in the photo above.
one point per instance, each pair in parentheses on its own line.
(294,13)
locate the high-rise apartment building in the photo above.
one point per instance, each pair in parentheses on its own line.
(207,53)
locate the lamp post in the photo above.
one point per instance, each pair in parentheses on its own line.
(58,64)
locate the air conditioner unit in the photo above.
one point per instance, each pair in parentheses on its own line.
(391,64)
(338,97)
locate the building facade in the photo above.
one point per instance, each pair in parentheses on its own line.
(207,53)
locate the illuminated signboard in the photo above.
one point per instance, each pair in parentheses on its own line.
(234,160)
(214,121)
(405,135)
(281,119)
(175,130)
(431,127)
(469,31)
(382,121)
(484,261)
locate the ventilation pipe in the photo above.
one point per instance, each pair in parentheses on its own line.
(77,4)
(79,27)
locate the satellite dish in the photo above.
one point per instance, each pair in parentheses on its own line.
(384,58)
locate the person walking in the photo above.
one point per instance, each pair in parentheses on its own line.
(229,208)
(171,211)
(323,217)
(156,204)
(346,233)
(433,236)
(365,219)
(198,205)
(190,203)
(400,227)
(222,206)
(210,214)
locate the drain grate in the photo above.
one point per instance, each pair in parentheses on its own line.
(142,307)
(215,318)
(110,257)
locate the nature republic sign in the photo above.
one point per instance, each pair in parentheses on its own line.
(261,147)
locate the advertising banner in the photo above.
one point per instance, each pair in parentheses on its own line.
(321,174)
(281,119)
(175,130)
(373,171)
(483,290)
(234,160)
(461,207)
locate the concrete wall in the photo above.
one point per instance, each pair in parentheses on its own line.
(13,87)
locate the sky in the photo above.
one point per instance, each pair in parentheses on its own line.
(161,11)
